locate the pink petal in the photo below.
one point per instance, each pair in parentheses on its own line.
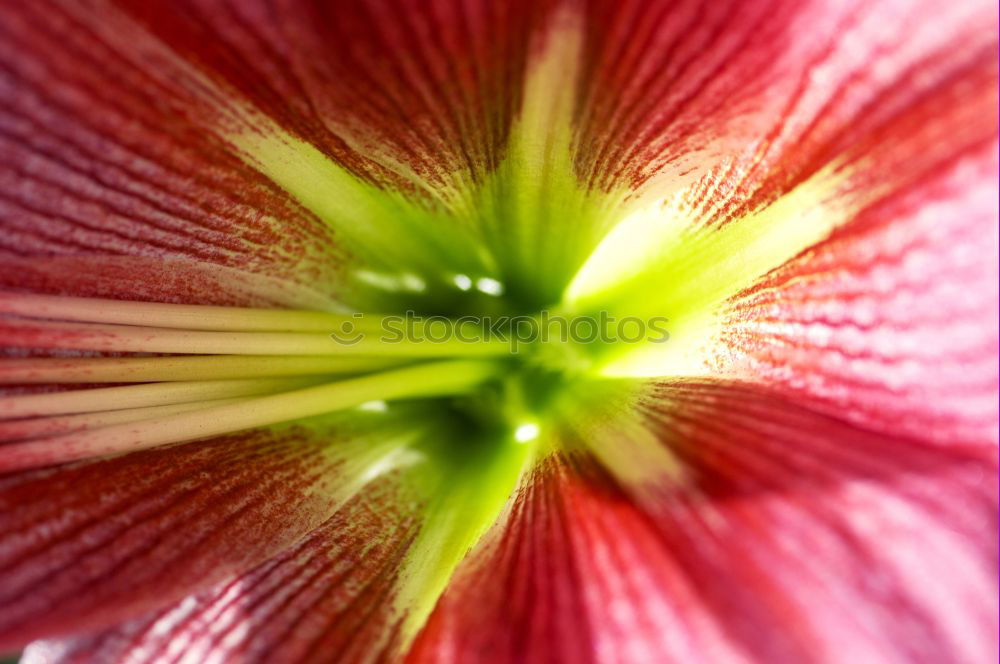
(788,537)
(765,93)
(892,322)
(87,545)
(327,598)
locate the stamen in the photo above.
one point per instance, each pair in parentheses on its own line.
(428,380)
(179,316)
(41,427)
(19,333)
(200,367)
(136,396)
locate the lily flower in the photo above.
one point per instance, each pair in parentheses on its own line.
(463,331)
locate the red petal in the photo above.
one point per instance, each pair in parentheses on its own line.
(576,574)
(326,599)
(891,322)
(768,92)
(426,88)
(158,279)
(789,537)
(109,149)
(90,544)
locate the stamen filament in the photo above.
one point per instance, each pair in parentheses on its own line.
(180,316)
(19,333)
(40,427)
(199,367)
(427,380)
(136,396)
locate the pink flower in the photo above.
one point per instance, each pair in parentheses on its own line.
(217,445)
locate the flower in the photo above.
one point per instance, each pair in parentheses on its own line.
(213,212)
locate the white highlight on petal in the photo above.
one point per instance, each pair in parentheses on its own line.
(489,286)
(412,282)
(462,281)
(379,280)
(526,432)
(377,406)
(402,457)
